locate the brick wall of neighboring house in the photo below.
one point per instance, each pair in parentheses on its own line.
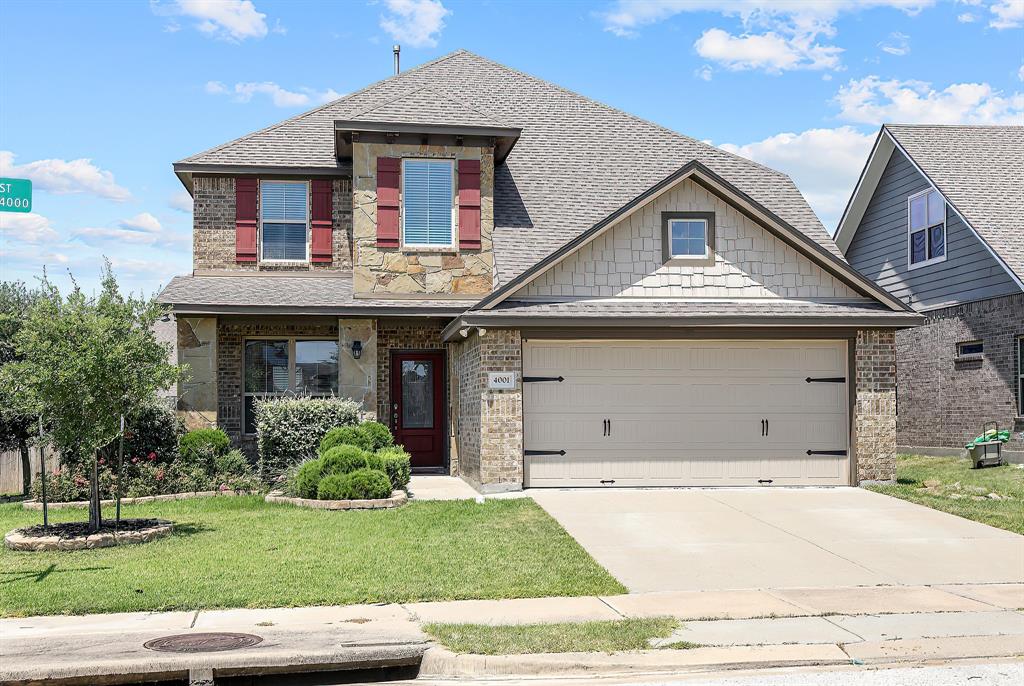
(231,335)
(875,408)
(944,402)
(489,435)
(213,236)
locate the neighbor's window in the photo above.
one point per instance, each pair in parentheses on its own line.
(283,220)
(287,366)
(927,228)
(427,203)
(1020,376)
(970,348)
(688,235)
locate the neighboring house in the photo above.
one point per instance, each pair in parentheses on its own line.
(937,219)
(534,289)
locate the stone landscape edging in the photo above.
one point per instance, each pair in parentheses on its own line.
(17,540)
(397,499)
(83,504)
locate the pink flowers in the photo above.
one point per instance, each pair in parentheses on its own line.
(159,475)
(152,457)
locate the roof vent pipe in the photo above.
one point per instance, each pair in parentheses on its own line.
(397,50)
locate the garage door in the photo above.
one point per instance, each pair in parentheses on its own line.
(685,413)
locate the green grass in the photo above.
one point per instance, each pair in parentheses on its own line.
(568,637)
(962,491)
(242,552)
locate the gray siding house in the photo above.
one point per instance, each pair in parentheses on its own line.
(937,219)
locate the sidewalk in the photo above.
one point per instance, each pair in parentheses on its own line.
(743,628)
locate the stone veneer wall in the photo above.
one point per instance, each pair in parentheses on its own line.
(489,434)
(231,335)
(944,401)
(213,235)
(875,408)
(415,271)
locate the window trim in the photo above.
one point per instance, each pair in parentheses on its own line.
(291,340)
(707,259)
(263,260)
(969,355)
(928,227)
(426,247)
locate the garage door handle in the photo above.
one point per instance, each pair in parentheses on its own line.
(534,379)
(826,379)
(826,452)
(544,452)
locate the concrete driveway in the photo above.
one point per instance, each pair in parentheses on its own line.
(719,539)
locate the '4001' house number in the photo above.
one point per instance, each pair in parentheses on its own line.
(501,381)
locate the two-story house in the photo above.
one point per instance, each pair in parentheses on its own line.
(937,219)
(533,289)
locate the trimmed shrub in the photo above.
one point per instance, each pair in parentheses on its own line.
(232,462)
(333,487)
(397,464)
(342,459)
(364,484)
(307,478)
(289,430)
(345,435)
(212,442)
(378,434)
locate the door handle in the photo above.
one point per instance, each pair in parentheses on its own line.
(767,427)
(762,427)
(604,427)
(609,427)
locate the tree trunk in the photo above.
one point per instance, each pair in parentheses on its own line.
(95,516)
(26,467)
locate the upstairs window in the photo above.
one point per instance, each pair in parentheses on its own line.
(927,228)
(688,236)
(428,198)
(284,220)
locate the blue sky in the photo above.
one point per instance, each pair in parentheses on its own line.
(98,99)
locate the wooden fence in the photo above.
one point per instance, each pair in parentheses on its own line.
(10,467)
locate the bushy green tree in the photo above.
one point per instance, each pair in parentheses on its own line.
(17,428)
(85,362)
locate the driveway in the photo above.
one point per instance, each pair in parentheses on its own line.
(719,539)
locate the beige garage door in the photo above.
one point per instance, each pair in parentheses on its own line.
(685,413)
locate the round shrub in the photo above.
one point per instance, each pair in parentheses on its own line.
(365,484)
(345,435)
(213,441)
(333,487)
(232,463)
(342,459)
(307,478)
(378,435)
(397,464)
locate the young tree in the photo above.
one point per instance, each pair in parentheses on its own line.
(17,427)
(85,362)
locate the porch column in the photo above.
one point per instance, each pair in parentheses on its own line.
(358,377)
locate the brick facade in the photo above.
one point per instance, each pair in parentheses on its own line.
(874,417)
(944,401)
(213,235)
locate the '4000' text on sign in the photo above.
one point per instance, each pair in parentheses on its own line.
(15,195)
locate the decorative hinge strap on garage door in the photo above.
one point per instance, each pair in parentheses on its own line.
(532,379)
(826,379)
(544,452)
(826,452)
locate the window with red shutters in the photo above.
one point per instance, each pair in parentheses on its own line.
(246,221)
(387,201)
(321,220)
(469,204)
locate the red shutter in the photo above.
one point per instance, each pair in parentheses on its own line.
(469,204)
(387,202)
(322,219)
(246,191)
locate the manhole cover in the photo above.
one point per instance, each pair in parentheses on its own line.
(202,643)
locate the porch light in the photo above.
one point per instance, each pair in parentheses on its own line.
(357,349)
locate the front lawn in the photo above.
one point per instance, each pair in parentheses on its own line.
(241,552)
(951,485)
(565,637)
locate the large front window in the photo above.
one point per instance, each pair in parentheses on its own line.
(287,366)
(427,202)
(284,219)
(927,228)
(1020,376)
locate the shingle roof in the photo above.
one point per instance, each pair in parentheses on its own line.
(980,170)
(427,106)
(576,162)
(307,294)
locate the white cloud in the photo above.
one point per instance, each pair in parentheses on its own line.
(417,23)
(966,18)
(281,97)
(873,101)
(143,221)
(181,201)
(768,51)
(64,176)
(824,164)
(28,227)
(1020,73)
(231,20)
(1009,14)
(704,73)
(142,229)
(896,44)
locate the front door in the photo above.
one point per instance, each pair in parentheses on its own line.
(417,406)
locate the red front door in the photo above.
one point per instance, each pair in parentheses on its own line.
(417,406)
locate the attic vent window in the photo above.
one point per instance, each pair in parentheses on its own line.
(428,198)
(926,228)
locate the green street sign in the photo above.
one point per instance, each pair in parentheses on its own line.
(15,195)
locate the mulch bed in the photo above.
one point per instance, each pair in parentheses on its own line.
(76,529)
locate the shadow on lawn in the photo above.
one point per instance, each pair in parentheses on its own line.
(190,529)
(43,574)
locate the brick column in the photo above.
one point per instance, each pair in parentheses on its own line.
(875,406)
